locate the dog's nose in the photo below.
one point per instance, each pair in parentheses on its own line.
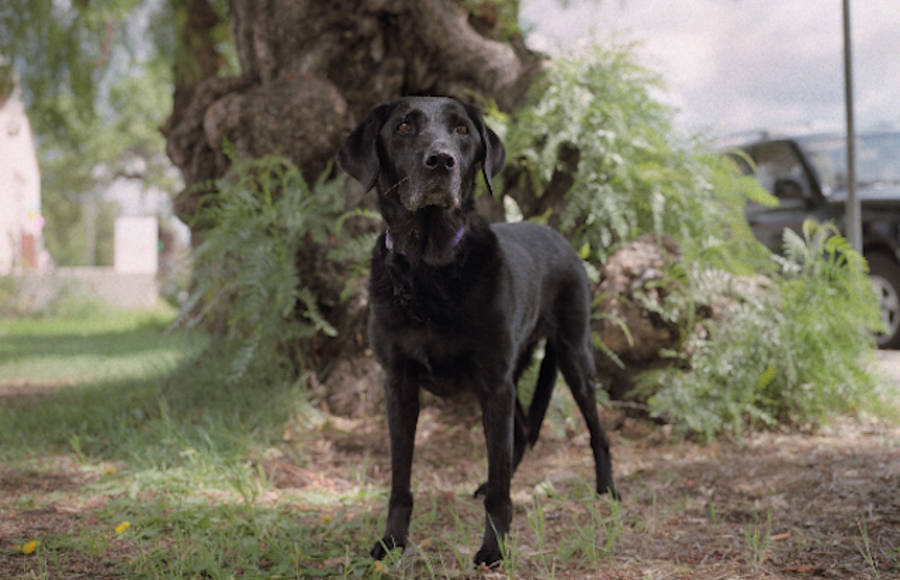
(440,160)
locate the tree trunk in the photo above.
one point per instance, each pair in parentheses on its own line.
(310,71)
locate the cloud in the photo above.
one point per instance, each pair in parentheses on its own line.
(739,64)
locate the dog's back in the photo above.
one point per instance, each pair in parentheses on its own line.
(549,279)
(540,251)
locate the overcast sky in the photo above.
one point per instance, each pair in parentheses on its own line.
(734,65)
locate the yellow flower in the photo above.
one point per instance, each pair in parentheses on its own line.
(109,471)
(29,547)
(122,527)
(326,519)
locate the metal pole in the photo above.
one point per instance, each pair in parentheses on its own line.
(854,219)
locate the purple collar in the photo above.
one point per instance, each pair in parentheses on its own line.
(457,238)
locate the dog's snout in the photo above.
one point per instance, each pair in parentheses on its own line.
(439,160)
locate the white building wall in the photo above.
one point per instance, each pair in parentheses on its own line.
(20,191)
(136,245)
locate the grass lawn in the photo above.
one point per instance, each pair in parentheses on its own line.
(124,453)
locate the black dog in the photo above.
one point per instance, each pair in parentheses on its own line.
(457,304)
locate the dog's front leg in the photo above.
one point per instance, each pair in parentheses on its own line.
(497,409)
(402,400)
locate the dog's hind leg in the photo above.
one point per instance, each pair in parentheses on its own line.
(542,392)
(576,364)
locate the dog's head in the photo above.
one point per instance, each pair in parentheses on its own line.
(423,152)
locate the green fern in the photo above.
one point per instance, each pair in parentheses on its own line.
(795,356)
(634,176)
(247,284)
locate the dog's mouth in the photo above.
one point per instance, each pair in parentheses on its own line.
(420,194)
(432,201)
(440,203)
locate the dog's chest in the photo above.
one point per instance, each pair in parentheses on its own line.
(436,325)
(430,346)
(443,361)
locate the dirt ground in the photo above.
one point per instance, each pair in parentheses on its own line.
(776,505)
(821,505)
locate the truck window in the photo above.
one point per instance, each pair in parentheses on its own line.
(779,170)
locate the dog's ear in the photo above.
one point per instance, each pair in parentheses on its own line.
(493,152)
(359,154)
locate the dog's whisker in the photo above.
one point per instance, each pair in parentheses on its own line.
(396,185)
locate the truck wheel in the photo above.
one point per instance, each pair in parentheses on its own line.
(884,271)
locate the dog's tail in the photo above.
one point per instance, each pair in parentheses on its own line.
(541,399)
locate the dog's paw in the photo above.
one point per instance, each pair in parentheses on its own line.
(612,491)
(488,559)
(481,491)
(385,545)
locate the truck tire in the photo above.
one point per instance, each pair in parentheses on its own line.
(884,271)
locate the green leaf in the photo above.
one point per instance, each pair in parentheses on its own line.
(585,251)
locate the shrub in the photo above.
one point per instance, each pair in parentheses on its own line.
(792,349)
(794,355)
(10,289)
(45,296)
(251,284)
(634,173)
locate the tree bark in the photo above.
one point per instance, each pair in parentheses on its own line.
(311,70)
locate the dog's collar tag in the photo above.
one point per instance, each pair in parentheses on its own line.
(457,238)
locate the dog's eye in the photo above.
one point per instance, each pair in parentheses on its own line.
(404,128)
(461,130)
